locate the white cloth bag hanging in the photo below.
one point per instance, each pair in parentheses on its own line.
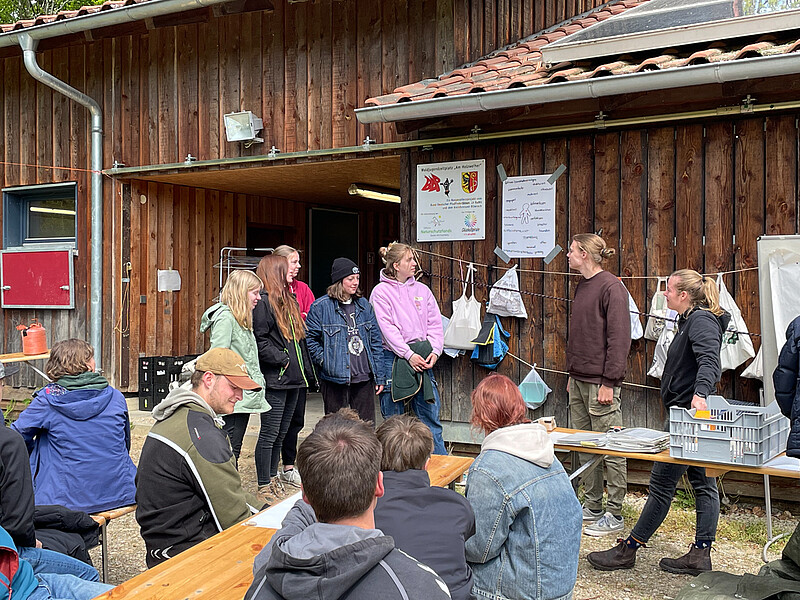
(636,325)
(465,324)
(755,370)
(658,308)
(507,301)
(737,346)
(663,344)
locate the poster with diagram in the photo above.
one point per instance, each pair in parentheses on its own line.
(451,201)
(529,216)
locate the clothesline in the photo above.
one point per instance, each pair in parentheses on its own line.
(51,167)
(573,274)
(538,295)
(540,368)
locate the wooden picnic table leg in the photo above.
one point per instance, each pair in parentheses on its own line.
(103,551)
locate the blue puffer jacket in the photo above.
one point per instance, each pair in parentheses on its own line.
(528,520)
(78,441)
(326,337)
(786,379)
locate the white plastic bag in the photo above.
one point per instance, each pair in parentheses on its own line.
(660,353)
(755,370)
(736,347)
(534,390)
(465,324)
(658,308)
(507,302)
(636,325)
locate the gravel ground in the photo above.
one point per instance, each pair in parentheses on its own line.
(646,581)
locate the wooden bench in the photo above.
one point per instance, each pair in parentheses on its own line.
(103,519)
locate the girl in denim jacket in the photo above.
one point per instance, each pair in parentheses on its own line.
(528,520)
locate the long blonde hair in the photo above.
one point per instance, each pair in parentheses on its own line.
(272,271)
(702,290)
(285,250)
(394,253)
(234,296)
(594,246)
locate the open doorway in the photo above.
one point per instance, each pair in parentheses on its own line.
(332,233)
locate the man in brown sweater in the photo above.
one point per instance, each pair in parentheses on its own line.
(597,358)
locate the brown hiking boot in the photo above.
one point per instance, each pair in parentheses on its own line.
(265,495)
(620,556)
(694,562)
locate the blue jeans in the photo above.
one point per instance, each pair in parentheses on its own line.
(66,587)
(663,481)
(47,561)
(426,412)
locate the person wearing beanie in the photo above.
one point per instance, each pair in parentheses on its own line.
(345,344)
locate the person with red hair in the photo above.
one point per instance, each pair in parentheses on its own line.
(528,520)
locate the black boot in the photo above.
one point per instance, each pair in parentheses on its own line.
(620,556)
(694,562)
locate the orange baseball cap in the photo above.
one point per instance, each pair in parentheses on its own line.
(224,361)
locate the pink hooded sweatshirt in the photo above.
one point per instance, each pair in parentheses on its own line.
(407,312)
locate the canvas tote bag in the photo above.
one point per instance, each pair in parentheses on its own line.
(658,308)
(465,324)
(737,346)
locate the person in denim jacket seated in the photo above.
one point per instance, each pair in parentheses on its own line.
(345,344)
(528,518)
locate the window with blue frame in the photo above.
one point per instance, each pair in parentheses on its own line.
(40,214)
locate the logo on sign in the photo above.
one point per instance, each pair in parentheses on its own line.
(469,181)
(431,183)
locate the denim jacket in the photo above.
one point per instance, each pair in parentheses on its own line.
(528,520)
(326,336)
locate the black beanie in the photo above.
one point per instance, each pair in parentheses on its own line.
(343,267)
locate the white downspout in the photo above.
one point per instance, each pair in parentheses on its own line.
(28,45)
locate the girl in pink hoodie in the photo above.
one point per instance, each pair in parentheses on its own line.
(407,312)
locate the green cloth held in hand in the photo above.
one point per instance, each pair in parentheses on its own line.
(406,382)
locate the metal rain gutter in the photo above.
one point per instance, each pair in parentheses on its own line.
(736,70)
(106,18)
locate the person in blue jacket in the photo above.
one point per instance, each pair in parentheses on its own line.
(786,378)
(78,435)
(18,581)
(345,343)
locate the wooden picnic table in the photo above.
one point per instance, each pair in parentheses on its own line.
(221,567)
(20,357)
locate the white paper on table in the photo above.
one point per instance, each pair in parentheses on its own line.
(784,462)
(272,518)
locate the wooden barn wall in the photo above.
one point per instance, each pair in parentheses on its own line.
(183,228)
(303,67)
(687,196)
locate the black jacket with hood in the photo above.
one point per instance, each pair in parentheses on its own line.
(786,379)
(693,364)
(285,364)
(307,560)
(16,489)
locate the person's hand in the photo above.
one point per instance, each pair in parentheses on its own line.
(431,360)
(378,389)
(39,544)
(417,362)
(568,385)
(699,403)
(605,395)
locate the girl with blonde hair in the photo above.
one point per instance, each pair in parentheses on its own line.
(691,373)
(411,325)
(230,322)
(283,355)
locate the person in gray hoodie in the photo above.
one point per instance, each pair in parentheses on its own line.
(328,547)
(187,485)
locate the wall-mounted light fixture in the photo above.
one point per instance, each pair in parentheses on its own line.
(374,193)
(243,127)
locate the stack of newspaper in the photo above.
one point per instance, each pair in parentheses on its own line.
(637,439)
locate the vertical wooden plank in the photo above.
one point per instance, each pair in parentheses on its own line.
(489,26)
(78,154)
(476,31)
(391,41)
(445,37)
(272,27)
(633,257)
(151,324)
(749,225)
(166,232)
(688,200)
(11,122)
(188,94)
(461,32)
(199,276)
(208,97)
(369,62)
(320,76)
(581,186)
(606,195)
(344,74)
(781,175)
(229,79)
(555,311)
(138,242)
(503,19)
(44,116)
(660,227)
(27,128)
(719,197)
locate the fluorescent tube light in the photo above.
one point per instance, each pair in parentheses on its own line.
(52,211)
(374,193)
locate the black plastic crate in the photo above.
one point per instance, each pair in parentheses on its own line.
(174,366)
(146,385)
(160,393)
(161,372)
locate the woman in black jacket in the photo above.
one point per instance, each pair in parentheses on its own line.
(786,380)
(283,356)
(691,373)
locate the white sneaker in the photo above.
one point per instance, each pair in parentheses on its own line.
(607,525)
(290,477)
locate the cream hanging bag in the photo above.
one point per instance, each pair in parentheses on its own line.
(465,324)
(658,310)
